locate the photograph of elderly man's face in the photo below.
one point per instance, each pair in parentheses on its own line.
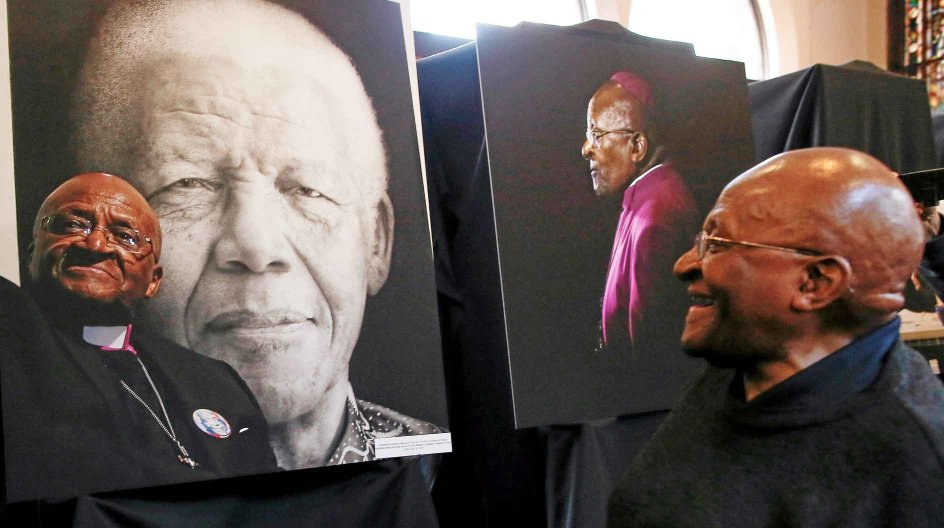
(275,142)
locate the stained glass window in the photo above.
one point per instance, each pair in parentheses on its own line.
(924,45)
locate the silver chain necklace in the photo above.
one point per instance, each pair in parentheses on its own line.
(183,457)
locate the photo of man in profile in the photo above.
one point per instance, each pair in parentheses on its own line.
(642,305)
(253,138)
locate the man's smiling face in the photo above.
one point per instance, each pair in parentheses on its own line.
(741,296)
(92,267)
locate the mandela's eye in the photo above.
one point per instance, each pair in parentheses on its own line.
(308,192)
(192,183)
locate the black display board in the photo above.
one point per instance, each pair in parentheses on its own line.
(497,475)
(397,360)
(554,237)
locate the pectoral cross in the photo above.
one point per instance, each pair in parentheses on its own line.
(187,460)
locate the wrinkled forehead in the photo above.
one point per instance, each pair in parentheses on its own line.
(747,208)
(289,117)
(224,87)
(107,192)
(259,101)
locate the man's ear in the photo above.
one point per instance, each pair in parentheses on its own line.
(824,280)
(156,276)
(381,245)
(640,145)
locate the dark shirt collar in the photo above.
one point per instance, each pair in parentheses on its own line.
(824,384)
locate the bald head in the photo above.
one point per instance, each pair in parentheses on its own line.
(618,106)
(838,202)
(233,43)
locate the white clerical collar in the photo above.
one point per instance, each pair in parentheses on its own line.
(644,174)
(113,337)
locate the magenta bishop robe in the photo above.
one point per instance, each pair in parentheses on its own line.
(642,299)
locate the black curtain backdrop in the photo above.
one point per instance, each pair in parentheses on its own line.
(855,105)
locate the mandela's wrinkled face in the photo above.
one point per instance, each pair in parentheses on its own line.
(269,234)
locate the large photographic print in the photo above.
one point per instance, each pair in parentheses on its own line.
(286,312)
(605,150)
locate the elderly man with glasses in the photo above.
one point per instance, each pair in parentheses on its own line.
(658,219)
(813,412)
(89,402)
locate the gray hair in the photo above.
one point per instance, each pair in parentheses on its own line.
(258,34)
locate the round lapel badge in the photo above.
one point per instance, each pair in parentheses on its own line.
(211,423)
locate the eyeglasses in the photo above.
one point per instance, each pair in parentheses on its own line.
(703,242)
(126,238)
(594,135)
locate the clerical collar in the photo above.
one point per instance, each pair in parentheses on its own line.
(647,171)
(630,191)
(109,338)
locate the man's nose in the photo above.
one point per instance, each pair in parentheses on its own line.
(587,150)
(252,236)
(96,241)
(688,267)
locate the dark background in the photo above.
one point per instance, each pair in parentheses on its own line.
(398,361)
(555,236)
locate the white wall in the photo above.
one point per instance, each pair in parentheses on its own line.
(802,33)
(829,32)
(9,266)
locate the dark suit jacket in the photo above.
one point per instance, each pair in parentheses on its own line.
(70,429)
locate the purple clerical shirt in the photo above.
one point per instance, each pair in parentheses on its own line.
(656,226)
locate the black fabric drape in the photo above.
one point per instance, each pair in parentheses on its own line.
(555,476)
(506,466)
(585,462)
(386,493)
(855,105)
(937,124)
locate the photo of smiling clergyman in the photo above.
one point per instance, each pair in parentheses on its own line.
(259,149)
(91,402)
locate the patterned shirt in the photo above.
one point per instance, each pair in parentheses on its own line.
(365,421)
